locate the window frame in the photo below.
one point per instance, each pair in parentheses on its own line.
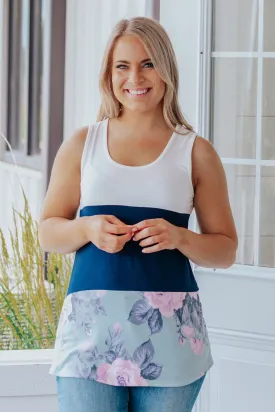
(53,81)
(204,119)
(4,73)
(29,156)
(53,84)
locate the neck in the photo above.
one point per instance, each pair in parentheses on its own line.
(142,120)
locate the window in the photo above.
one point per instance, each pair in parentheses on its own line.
(25,64)
(241,108)
(34,40)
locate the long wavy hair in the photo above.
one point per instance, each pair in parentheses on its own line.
(160,50)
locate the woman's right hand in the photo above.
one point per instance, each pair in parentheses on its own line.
(107,232)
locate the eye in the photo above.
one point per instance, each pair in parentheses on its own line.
(121,66)
(149,63)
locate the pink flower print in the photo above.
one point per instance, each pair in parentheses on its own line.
(188,331)
(182,340)
(196,346)
(100,293)
(120,373)
(166,302)
(117,327)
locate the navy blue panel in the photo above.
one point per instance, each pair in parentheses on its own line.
(130,269)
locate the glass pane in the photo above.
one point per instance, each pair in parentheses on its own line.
(36,62)
(24,75)
(234,107)
(268,146)
(235,25)
(241,188)
(43,68)
(267,217)
(269,27)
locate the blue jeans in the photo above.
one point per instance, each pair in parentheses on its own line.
(84,395)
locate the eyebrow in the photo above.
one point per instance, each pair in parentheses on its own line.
(126,62)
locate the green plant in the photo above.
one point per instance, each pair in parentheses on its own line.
(30,306)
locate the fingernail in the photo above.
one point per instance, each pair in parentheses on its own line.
(134,229)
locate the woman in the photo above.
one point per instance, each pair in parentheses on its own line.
(131,336)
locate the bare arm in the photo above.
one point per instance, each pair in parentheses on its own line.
(59,230)
(216,245)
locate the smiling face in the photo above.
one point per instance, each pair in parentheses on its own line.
(136,84)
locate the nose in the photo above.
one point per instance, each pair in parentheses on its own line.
(135,76)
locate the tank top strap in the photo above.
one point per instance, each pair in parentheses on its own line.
(182,151)
(189,147)
(89,146)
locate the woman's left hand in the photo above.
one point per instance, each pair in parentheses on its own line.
(157,232)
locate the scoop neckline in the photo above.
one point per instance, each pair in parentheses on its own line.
(157,160)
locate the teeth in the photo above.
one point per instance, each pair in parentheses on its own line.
(138,91)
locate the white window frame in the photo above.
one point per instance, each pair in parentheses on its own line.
(206,56)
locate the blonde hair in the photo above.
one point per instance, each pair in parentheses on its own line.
(160,50)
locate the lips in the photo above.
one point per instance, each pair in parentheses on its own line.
(138,92)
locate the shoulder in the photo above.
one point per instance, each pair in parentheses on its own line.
(77,139)
(203,149)
(72,147)
(205,160)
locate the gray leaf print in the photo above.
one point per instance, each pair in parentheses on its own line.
(140,312)
(117,348)
(178,313)
(71,317)
(195,320)
(110,356)
(114,333)
(84,369)
(202,321)
(185,315)
(155,322)
(92,375)
(101,310)
(123,354)
(152,371)
(144,354)
(88,355)
(88,330)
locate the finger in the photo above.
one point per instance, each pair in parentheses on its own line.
(147,223)
(120,242)
(119,229)
(155,248)
(114,220)
(151,231)
(116,226)
(112,242)
(151,240)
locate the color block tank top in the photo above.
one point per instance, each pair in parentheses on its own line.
(131,318)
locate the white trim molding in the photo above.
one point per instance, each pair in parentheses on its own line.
(242,272)
(26,357)
(3,71)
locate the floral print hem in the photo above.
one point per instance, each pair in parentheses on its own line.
(132,338)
